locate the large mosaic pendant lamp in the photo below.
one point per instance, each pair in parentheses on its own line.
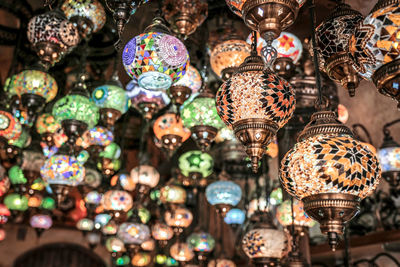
(190,84)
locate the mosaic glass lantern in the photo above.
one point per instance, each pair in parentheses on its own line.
(47,126)
(101,220)
(35,201)
(117,200)
(178,218)
(123,260)
(330,172)
(173,194)
(196,164)
(4,214)
(52,36)
(190,84)
(110,228)
(227,56)
(374,48)
(93,197)
(114,244)
(145,177)
(284,214)
(85,224)
(10,128)
(88,16)
(201,242)
(155,59)
(333,36)
(181,252)
(389,158)
(141,259)
(148,245)
(62,170)
(255,103)
(48,203)
(161,232)
(201,117)
(235,217)
(41,221)
(16,175)
(221,263)
(133,233)
(224,195)
(16,202)
(169,129)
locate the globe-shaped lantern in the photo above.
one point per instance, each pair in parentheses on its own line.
(264,244)
(333,36)
(16,202)
(112,101)
(196,165)
(255,103)
(88,16)
(201,242)
(224,195)
(133,233)
(114,244)
(93,198)
(330,172)
(148,245)
(10,128)
(52,36)
(374,48)
(301,219)
(47,126)
(221,263)
(85,225)
(173,194)
(169,129)
(99,138)
(190,83)
(145,177)
(161,232)
(155,58)
(141,259)
(235,217)
(227,56)
(101,220)
(41,221)
(117,201)
(4,214)
(111,228)
(181,252)
(178,218)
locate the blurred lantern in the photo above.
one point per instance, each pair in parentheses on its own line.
(147,102)
(40,222)
(160,259)
(48,203)
(235,217)
(93,198)
(148,245)
(284,214)
(172,262)
(47,126)
(181,252)
(52,36)
(202,243)
(109,163)
(349,172)
(16,176)
(195,165)
(10,128)
(223,195)
(155,58)
(201,117)
(92,179)
(221,263)
(145,177)
(169,129)
(144,214)
(117,201)
(114,244)
(110,228)
(123,260)
(343,113)
(88,16)
(258,204)
(23,140)
(172,194)
(264,244)
(32,160)
(4,185)
(178,218)
(4,214)
(93,239)
(101,220)
(35,201)
(85,225)
(185,16)
(133,233)
(141,259)
(374,48)
(125,180)
(112,101)
(333,36)
(227,56)
(99,138)
(240,99)
(190,84)
(2,234)
(35,88)
(161,232)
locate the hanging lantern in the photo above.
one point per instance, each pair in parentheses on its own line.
(342,171)
(93,198)
(85,225)
(52,36)
(161,232)
(155,58)
(169,129)
(110,228)
(333,36)
(178,218)
(109,162)
(185,16)
(141,259)
(148,245)
(195,165)
(264,244)
(181,252)
(88,16)
(227,56)
(201,117)
(202,243)
(4,214)
(123,260)
(114,244)
(389,159)
(172,194)
(41,221)
(145,177)
(221,263)
(10,128)
(374,51)
(190,84)
(301,219)
(133,233)
(47,126)
(235,217)
(16,202)
(255,103)
(101,220)
(224,195)
(117,201)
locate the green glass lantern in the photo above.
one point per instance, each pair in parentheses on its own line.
(196,165)
(10,128)
(201,117)
(16,202)
(201,242)
(22,141)
(48,203)
(16,175)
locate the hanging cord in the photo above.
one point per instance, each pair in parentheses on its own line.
(360,126)
(387,125)
(246,195)
(258,193)
(311,7)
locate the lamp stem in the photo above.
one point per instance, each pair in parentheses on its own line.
(387,125)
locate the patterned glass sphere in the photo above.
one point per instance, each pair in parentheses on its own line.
(328,163)
(41,221)
(76,107)
(196,161)
(52,36)
(389,158)
(235,216)
(223,192)
(221,263)
(161,231)
(133,233)
(111,96)
(174,194)
(93,197)
(46,123)
(101,220)
(117,200)
(156,60)
(110,228)
(237,6)
(145,175)
(10,128)
(62,170)
(181,251)
(92,178)
(35,201)
(100,136)
(284,214)
(228,54)
(169,124)
(141,259)
(16,202)
(114,244)
(265,243)
(201,241)
(33,82)
(85,224)
(192,79)
(179,217)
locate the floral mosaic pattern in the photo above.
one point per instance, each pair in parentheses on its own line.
(268,243)
(133,233)
(46,123)
(100,136)
(111,96)
(117,200)
(62,170)
(196,161)
(192,79)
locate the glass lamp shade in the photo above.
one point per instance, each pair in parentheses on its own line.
(112,151)
(16,202)
(179,217)
(161,232)
(10,128)
(133,233)
(16,175)
(181,252)
(52,36)
(172,262)
(110,228)
(235,216)
(145,175)
(144,215)
(114,244)
(228,55)
(4,214)
(101,220)
(287,45)
(141,259)
(76,107)
(123,260)
(100,136)
(48,203)
(201,242)
(85,224)
(22,141)
(192,79)
(156,60)
(93,197)
(117,200)
(62,170)
(41,221)
(389,158)
(173,194)
(221,263)
(276,196)
(33,82)
(196,161)
(284,214)
(258,204)
(92,178)
(223,192)
(148,245)
(112,97)
(89,16)
(35,201)
(169,124)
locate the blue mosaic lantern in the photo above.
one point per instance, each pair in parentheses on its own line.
(224,195)
(235,217)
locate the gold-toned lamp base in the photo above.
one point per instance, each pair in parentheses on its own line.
(227,73)
(179,94)
(223,209)
(171,142)
(265,262)
(204,135)
(109,116)
(148,109)
(48,53)
(387,80)
(284,67)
